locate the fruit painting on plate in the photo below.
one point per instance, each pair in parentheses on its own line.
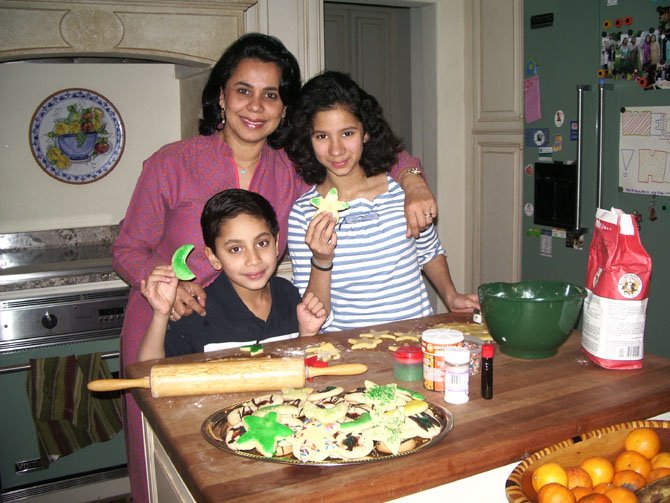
(76,136)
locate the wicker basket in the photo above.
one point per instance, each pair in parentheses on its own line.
(607,442)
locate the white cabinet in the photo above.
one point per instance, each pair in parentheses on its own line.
(497,139)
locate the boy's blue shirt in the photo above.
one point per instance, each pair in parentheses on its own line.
(228,319)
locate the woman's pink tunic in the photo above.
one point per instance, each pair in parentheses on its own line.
(164,213)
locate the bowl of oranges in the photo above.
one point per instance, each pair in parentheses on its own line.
(623,463)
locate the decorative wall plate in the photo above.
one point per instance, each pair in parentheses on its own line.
(76,136)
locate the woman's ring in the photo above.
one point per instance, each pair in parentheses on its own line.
(428,215)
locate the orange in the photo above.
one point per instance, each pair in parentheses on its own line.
(580,492)
(602,487)
(657,473)
(578,477)
(555,493)
(643,440)
(547,473)
(599,468)
(629,479)
(594,498)
(621,495)
(661,460)
(632,460)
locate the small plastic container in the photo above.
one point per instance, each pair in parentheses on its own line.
(457,376)
(408,364)
(433,342)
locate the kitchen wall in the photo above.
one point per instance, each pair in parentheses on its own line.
(147,99)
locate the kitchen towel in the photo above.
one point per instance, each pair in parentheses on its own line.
(531,99)
(67,416)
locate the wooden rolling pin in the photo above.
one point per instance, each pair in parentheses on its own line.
(233,376)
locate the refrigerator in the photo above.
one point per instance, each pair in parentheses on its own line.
(597,134)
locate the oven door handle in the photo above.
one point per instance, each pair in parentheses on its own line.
(26,366)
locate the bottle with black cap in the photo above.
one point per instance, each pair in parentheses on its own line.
(487,370)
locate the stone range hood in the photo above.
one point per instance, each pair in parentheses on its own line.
(191,34)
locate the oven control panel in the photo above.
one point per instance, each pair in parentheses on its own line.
(61,316)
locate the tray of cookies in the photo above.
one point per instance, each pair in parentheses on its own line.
(329,426)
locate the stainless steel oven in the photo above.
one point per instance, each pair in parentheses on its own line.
(40,323)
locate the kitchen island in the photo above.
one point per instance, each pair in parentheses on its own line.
(535,403)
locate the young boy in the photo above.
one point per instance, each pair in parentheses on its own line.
(246,303)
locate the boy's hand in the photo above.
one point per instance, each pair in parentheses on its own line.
(321,237)
(311,315)
(160,289)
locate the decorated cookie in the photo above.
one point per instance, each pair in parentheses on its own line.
(329,204)
(327,392)
(296,396)
(415,407)
(389,429)
(424,425)
(384,398)
(263,433)
(352,444)
(315,441)
(253,349)
(179,266)
(405,445)
(361,423)
(234,433)
(282,410)
(325,413)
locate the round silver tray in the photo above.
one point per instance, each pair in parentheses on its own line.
(215,427)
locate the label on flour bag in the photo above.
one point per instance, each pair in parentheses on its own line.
(613,329)
(617,284)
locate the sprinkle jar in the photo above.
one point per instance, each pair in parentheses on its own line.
(433,342)
(408,364)
(457,375)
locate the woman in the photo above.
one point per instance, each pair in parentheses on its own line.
(243,105)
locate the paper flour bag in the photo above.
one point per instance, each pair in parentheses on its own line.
(617,282)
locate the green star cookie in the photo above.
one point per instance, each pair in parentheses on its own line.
(329,204)
(262,434)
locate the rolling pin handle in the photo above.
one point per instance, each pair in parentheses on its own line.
(118,384)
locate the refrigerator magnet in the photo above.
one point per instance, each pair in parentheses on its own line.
(559,118)
(558,143)
(528,169)
(574,130)
(529,209)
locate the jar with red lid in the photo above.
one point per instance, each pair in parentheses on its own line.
(408,364)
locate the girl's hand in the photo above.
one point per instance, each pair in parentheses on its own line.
(463,303)
(190,298)
(160,289)
(420,205)
(321,237)
(311,315)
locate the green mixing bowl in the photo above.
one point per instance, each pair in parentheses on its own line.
(531,319)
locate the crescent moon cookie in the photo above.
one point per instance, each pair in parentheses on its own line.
(179,266)
(262,434)
(329,204)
